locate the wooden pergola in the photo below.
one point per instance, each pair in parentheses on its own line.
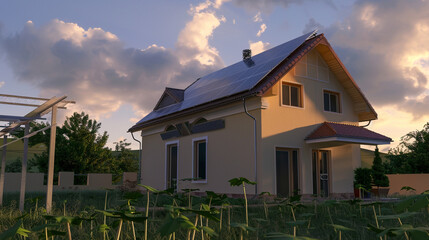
(47,105)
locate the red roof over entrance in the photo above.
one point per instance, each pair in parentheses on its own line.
(330,131)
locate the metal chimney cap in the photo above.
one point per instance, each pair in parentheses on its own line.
(247,54)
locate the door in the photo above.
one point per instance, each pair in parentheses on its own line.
(287,172)
(172,156)
(321,170)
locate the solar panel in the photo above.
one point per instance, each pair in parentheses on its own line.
(236,78)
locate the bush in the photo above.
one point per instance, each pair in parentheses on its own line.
(363,178)
(379,178)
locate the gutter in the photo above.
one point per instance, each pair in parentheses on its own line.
(255,145)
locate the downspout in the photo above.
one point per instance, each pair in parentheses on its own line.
(140,158)
(364,126)
(255,141)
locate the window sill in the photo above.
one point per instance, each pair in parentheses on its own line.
(288,106)
(199,182)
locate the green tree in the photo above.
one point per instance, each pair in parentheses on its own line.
(412,154)
(379,178)
(125,159)
(79,146)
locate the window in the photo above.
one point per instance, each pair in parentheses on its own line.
(291,95)
(331,101)
(200,159)
(171,165)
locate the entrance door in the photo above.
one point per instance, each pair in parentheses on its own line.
(172,156)
(321,172)
(287,172)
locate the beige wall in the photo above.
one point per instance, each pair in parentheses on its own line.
(229,151)
(285,126)
(420,182)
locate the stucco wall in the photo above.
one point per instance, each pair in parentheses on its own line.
(420,182)
(229,151)
(285,126)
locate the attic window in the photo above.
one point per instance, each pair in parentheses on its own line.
(170,128)
(331,101)
(199,121)
(291,95)
(312,66)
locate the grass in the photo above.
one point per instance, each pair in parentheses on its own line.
(83,214)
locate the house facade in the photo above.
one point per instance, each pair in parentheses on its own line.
(287,118)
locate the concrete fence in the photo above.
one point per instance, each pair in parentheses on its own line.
(95,181)
(420,182)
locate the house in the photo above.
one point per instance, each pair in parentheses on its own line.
(287,118)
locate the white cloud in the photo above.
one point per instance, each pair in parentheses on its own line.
(92,66)
(1,83)
(387,56)
(257,17)
(261,30)
(258,47)
(193,40)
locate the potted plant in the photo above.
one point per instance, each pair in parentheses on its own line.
(379,179)
(362,182)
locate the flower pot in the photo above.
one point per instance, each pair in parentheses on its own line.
(380,191)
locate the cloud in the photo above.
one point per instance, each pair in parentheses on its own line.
(261,30)
(385,54)
(93,67)
(1,84)
(266,5)
(257,17)
(258,47)
(193,40)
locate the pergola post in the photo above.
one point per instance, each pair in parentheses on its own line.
(51,160)
(3,169)
(24,169)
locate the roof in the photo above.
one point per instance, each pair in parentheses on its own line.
(243,79)
(330,131)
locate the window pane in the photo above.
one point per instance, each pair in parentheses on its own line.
(285,92)
(294,96)
(333,98)
(201,160)
(326,101)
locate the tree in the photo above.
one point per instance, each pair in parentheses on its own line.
(412,154)
(125,160)
(79,146)
(379,178)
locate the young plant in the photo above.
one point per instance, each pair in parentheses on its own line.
(242,181)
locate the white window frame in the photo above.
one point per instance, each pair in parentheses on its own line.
(301,94)
(340,99)
(167,144)
(205,138)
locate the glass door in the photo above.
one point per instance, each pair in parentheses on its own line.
(287,172)
(321,170)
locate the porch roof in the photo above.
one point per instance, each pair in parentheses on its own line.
(339,132)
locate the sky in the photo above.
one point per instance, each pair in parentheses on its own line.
(115,58)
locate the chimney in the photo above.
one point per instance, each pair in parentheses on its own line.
(247,54)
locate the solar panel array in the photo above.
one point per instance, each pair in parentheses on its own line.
(231,80)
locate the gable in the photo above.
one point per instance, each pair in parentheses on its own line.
(320,45)
(169,97)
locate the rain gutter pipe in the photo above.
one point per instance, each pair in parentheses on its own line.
(364,126)
(140,157)
(254,140)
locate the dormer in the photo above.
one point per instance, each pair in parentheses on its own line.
(170,97)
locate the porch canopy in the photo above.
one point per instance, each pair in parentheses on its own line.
(339,133)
